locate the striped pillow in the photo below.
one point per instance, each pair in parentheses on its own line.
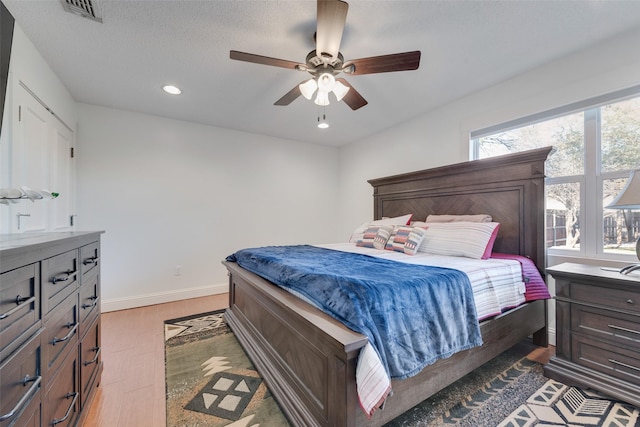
(406,239)
(375,236)
(398,220)
(467,239)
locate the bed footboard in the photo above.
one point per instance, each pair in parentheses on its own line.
(308,359)
(305,356)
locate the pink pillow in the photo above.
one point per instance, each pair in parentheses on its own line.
(489,249)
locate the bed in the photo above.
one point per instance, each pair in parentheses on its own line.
(308,359)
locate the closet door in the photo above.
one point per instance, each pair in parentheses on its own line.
(41,159)
(30,161)
(62,177)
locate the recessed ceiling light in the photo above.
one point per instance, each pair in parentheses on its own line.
(171,90)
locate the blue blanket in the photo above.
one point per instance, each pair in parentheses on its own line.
(413,315)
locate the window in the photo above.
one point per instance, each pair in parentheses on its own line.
(597,145)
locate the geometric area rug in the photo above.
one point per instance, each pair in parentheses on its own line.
(557,404)
(210,381)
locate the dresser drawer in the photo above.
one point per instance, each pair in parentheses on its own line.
(89,300)
(30,417)
(60,336)
(20,384)
(62,401)
(59,279)
(606,296)
(611,360)
(620,329)
(19,307)
(90,359)
(89,257)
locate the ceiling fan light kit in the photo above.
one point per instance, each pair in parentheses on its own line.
(326,62)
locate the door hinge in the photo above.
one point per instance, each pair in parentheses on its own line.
(72,152)
(71,220)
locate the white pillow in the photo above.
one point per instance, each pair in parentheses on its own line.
(455,218)
(466,239)
(398,220)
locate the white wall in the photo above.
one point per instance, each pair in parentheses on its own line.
(29,67)
(171,193)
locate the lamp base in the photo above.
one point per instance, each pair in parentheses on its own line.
(633,267)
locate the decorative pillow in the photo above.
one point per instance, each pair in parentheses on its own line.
(405,239)
(375,236)
(467,239)
(398,220)
(456,218)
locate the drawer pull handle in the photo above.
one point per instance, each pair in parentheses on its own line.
(95,300)
(64,276)
(69,334)
(620,328)
(615,362)
(66,415)
(19,301)
(25,397)
(95,359)
(92,260)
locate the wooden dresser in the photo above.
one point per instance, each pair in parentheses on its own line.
(597,330)
(50,360)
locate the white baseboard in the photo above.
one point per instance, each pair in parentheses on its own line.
(162,297)
(551,333)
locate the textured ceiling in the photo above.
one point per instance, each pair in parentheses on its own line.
(141,45)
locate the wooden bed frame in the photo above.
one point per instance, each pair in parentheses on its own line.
(308,359)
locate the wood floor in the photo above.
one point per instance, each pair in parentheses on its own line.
(132,390)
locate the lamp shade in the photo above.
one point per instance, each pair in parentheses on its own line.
(340,90)
(629,197)
(322,98)
(308,88)
(326,82)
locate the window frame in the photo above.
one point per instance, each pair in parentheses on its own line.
(591,182)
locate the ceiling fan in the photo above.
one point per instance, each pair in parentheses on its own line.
(326,62)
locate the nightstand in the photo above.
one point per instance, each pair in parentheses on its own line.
(597,330)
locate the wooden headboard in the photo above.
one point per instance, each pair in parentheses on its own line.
(510,188)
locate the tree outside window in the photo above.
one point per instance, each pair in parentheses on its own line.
(612,131)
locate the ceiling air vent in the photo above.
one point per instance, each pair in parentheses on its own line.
(84,8)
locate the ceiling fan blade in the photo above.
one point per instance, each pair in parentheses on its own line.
(265,60)
(385,63)
(289,97)
(332,15)
(353,99)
